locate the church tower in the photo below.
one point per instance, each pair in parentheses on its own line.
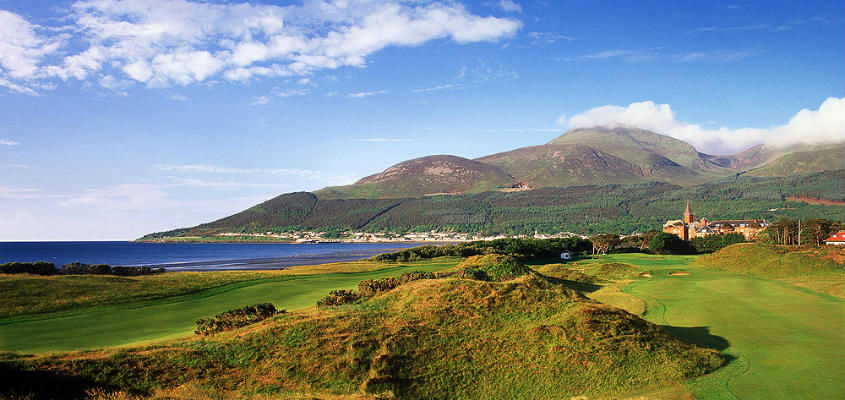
(688,231)
(688,217)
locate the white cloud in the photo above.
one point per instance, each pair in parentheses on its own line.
(659,54)
(216,169)
(358,95)
(179,42)
(510,5)
(438,87)
(825,125)
(259,101)
(382,140)
(7,142)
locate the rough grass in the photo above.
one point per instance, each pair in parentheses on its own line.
(820,269)
(497,267)
(436,338)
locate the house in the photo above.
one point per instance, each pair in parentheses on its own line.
(838,239)
(688,228)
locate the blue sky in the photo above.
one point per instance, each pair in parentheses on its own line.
(119,118)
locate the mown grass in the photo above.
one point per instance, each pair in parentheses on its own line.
(785,341)
(433,338)
(121,319)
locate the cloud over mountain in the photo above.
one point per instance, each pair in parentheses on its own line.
(180,42)
(824,125)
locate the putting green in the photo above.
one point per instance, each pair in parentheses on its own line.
(174,317)
(784,342)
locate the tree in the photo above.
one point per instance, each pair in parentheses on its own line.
(816,230)
(605,242)
(667,243)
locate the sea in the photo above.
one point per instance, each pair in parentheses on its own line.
(193,256)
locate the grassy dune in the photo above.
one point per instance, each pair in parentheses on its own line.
(820,269)
(528,337)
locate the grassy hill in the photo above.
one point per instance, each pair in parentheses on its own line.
(450,337)
(817,268)
(586,209)
(441,174)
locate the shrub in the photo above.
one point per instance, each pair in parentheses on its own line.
(36,268)
(77,268)
(371,287)
(713,243)
(339,297)
(236,318)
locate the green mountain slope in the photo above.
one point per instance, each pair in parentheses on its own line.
(801,161)
(635,145)
(583,209)
(441,174)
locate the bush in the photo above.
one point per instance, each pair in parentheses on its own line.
(236,318)
(36,268)
(339,297)
(77,268)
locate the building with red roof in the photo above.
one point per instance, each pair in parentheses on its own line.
(837,239)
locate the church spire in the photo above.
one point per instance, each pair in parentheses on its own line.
(688,211)
(688,217)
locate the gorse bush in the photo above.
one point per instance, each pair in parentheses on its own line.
(236,318)
(339,297)
(371,287)
(36,268)
(713,243)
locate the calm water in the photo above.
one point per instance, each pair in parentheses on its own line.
(193,256)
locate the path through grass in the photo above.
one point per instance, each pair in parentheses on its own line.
(172,317)
(786,342)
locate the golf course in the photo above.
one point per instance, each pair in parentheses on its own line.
(780,340)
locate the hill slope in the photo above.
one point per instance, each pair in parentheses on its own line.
(804,160)
(441,174)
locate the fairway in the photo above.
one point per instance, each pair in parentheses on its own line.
(173,317)
(785,342)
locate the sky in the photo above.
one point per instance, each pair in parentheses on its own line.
(121,118)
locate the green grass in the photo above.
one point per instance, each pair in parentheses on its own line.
(786,341)
(122,323)
(529,337)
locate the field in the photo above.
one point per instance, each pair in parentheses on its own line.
(170,304)
(781,328)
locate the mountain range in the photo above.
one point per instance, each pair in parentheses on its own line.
(451,192)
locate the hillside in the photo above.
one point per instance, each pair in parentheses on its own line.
(445,337)
(585,209)
(441,174)
(566,165)
(816,268)
(803,161)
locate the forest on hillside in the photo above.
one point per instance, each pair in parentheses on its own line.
(581,209)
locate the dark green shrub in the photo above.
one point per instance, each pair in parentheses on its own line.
(236,318)
(339,297)
(36,268)
(100,269)
(371,287)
